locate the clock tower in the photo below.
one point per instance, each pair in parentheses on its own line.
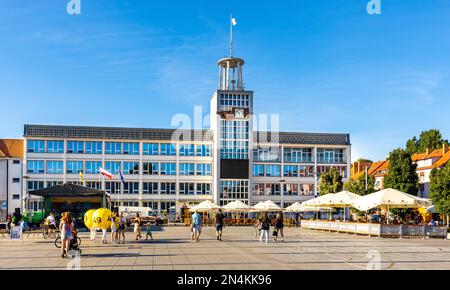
(232,126)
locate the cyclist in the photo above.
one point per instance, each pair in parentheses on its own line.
(50,224)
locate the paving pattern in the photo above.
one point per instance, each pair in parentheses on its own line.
(240,250)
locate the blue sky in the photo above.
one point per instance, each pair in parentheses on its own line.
(324,66)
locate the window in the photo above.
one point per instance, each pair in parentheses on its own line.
(297,155)
(35,166)
(150,188)
(187,169)
(16,180)
(307,189)
(16,162)
(53,183)
(16,197)
(131,203)
(130,148)
(168,150)
(75,147)
(131,168)
(112,187)
(34,185)
(187,150)
(325,155)
(290,189)
(306,171)
(258,189)
(258,170)
(94,147)
(35,146)
(203,189)
(273,189)
(131,188)
(270,154)
(74,167)
(55,146)
(204,150)
(290,170)
(204,169)
(233,189)
(234,136)
(150,168)
(94,184)
(273,170)
(92,167)
(168,169)
(113,148)
(112,166)
(168,206)
(187,188)
(168,188)
(55,167)
(150,149)
(150,204)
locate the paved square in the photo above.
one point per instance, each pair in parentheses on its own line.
(172,249)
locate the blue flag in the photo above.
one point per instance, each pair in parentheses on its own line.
(121,177)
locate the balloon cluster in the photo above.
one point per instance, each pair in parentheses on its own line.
(99,218)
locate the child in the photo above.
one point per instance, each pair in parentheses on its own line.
(149,231)
(93,233)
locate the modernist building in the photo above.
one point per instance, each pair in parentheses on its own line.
(11,153)
(165,168)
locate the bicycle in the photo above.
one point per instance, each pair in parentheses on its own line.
(58,241)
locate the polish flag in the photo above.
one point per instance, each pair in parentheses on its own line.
(106,173)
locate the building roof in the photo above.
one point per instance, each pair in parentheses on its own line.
(48,131)
(11,148)
(376,167)
(442,161)
(67,190)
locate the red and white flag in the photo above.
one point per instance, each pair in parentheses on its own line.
(106,173)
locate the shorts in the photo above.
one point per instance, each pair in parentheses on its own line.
(66,236)
(219,227)
(122,227)
(197,228)
(52,227)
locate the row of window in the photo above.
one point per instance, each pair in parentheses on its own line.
(272,170)
(234,100)
(298,155)
(288,189)
(125,148)
(92,167)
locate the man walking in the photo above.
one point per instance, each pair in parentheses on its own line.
(219,224)
(197,225)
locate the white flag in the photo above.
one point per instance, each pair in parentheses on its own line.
(233,21)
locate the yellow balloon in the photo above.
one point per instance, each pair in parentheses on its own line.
(88,218)
(102,218)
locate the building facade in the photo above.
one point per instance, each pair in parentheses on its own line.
(168,168)
(11,154)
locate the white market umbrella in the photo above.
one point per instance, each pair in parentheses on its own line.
(389,198)
(236,206)
(267,206)
(294,207)
(205,206)
(316,209)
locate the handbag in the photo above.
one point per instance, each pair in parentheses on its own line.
(275,233)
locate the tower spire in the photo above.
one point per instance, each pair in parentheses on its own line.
(233,22)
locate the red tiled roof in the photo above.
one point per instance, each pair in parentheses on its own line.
(11,148)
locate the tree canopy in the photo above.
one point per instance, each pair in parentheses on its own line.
(431,139)
(402,173)
(440,189)
(358,185)
(331,182)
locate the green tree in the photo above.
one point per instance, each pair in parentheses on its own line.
(440,189)
(402,172)
(331,182)
(358,185)
(430,139)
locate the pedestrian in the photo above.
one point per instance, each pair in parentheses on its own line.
(8,223)
(122,227)
(137,226)
(17,217)
(197,225)
(104,233)
(279,225)
(93,234)
(66,227)
(265,227)
(51,223)
(219,224)
(295,219)
(148,231)
(114,234)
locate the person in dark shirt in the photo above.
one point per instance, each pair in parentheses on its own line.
(219,224)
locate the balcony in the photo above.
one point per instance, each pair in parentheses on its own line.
(309,159)
(332,160)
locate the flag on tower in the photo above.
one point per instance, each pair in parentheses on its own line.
(106,173)
(233,21)
(81,176)
(121,177)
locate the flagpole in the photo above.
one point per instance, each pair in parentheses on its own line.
(231,35)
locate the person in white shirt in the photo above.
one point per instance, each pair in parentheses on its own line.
(50,221)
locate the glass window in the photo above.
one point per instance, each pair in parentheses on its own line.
(150,148)
(113,166)
(35,185)
(131,188)
(92,167)
(150,168)
(35,166)
(168,188)
(130,148)
(187,150)
(258,170)
(55,167)
(150,188)
(187,188)
(55,146)
(258,189)
(94,147)
(204,169)
(290,171)
(112,187)
(35,146)
(231,190)
(131,168)
(113,148)
(168,149)
(94,184)
(273,170)
(203,189)
(204,150)
(234,136)
(74,167)
(168,169)
(187,169)
(269,154)
(290,189)
(75,147)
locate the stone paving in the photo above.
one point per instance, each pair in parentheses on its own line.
(240,250)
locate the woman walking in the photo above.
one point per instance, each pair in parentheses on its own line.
(122,228)
(137,226)
(66,227)
(279,225)
(265,227)
(114,233)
